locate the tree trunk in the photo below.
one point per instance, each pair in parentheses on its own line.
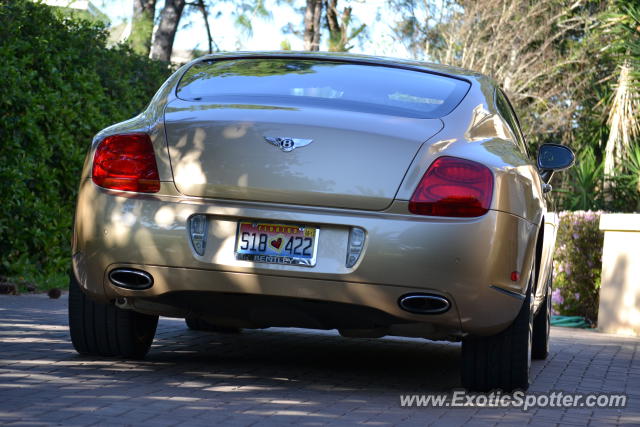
(335,32)
(312,15)
(166,32)
(338,25)
(205,15)
(142,26)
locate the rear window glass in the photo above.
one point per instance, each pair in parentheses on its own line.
(319,83)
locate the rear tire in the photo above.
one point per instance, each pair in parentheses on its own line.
(197,324)
(500,361)
(542,327)
(98,329)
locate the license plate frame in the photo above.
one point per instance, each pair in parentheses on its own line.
(247,248)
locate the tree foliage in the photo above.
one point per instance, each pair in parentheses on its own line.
(340,35)
(569,66)
(338,24)
(159,44)
(577,265)
(621,30)
(605,132)
(60,85)
(534,50)
(142,26)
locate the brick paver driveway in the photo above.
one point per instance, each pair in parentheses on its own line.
(278,376)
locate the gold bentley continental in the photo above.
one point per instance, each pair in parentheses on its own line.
(369,195)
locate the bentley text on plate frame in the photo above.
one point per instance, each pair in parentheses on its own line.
(370,195)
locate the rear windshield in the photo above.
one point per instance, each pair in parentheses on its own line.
(325,84)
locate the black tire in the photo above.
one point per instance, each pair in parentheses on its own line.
(193,323)
(541,328)
(197,324)
(98,329)
(501,361)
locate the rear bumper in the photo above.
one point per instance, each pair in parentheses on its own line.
(468,261)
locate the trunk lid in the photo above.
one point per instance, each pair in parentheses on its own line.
(356,160)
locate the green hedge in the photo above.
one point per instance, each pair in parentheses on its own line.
(577,265)
(60,85)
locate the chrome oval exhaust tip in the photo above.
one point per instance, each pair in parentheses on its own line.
(424,303)
(130,278)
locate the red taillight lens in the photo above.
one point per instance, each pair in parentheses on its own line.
(453,187)
(126,162)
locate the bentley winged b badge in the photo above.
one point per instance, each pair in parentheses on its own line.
(288,144)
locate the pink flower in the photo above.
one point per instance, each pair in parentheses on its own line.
(556,297)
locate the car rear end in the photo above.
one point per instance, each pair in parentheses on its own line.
(313,192)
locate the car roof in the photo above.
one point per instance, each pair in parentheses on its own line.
(352,57)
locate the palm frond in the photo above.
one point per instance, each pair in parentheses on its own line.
(624,122)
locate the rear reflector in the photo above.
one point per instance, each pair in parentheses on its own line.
(356,244)
(453,187)
(198,232)
(126,162)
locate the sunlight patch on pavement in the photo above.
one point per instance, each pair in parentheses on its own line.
(38,327)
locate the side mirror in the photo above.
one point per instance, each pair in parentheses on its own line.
(552,158)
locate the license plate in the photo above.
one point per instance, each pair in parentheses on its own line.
(277,243)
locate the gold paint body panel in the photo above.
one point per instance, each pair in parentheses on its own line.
(467,260)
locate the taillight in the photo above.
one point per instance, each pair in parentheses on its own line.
(126,162)
(453,187)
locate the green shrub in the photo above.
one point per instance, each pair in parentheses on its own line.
(584,186)
(577,265)
(585,180)
(60,84)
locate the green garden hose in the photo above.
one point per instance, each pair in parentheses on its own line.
(570,322)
